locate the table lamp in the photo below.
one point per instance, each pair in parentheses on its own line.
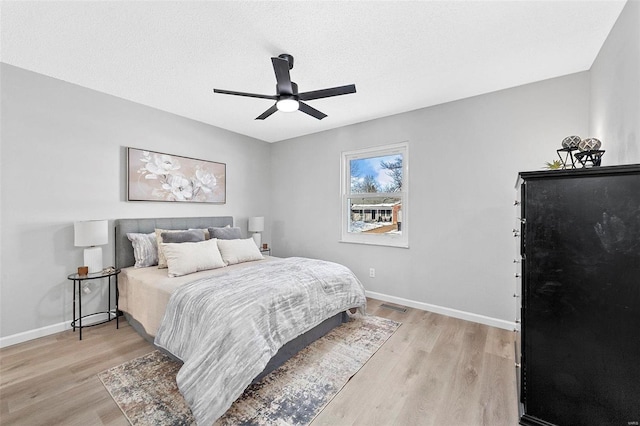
(90,234)
(256,225)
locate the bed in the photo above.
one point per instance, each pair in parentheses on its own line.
(283,305)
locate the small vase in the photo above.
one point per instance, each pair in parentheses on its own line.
(591,144)
(571,142)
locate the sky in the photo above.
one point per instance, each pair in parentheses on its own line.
(371,166)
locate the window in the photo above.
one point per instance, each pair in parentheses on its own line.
(375,196)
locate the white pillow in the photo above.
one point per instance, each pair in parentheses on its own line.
(187,258)
(238,251)
(162,261)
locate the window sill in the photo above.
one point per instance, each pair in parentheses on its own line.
(382,244)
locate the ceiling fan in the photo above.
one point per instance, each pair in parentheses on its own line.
(287,98)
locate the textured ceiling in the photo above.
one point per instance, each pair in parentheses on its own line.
(401,55)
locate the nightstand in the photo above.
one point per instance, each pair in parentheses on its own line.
(77,289)
(266,251)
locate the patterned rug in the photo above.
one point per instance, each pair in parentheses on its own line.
(145,388)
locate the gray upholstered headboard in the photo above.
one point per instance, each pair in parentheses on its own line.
(123,247)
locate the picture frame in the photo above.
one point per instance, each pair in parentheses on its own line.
(156,176)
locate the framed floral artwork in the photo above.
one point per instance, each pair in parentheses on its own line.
(154,176)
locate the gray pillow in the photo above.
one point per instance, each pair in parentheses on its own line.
(226,233)
(191,236)
(145,249)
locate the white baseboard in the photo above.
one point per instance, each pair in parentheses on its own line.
(14,339)
(468,316)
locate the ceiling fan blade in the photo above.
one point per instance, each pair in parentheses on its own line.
(281,68)
(250,95)
(267,113)
(327,93)
(311,111)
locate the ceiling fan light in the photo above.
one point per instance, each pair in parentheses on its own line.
(287,105)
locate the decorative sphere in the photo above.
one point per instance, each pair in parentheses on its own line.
(590,144)
(571,141)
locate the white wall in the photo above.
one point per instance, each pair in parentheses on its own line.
(615,90)
(63,159)
(464,157)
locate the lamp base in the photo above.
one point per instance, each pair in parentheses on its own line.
(93,259)
(257,238)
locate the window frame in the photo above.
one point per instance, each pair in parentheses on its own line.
(389,240)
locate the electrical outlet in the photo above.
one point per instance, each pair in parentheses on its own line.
(372,272)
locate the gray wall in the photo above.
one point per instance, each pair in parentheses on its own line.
(63,159)
(464,158)
(615,90)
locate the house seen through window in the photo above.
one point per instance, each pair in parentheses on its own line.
(375,185)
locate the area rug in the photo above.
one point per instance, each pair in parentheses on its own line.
(145,388)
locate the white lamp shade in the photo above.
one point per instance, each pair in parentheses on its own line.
(91,233)
(256,224)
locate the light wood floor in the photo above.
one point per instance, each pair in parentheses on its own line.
(435,370)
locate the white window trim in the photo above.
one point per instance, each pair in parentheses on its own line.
(391,240)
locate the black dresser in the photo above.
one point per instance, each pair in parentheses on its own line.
(580,298)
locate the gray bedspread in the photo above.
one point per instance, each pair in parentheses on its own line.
(226,328)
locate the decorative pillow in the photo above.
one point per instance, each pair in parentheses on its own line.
(226,233)
(238,251)
(187,258)
(145,249)
(162,261)
(207,236)
(190,236)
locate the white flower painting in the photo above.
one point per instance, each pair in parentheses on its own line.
(153,176)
